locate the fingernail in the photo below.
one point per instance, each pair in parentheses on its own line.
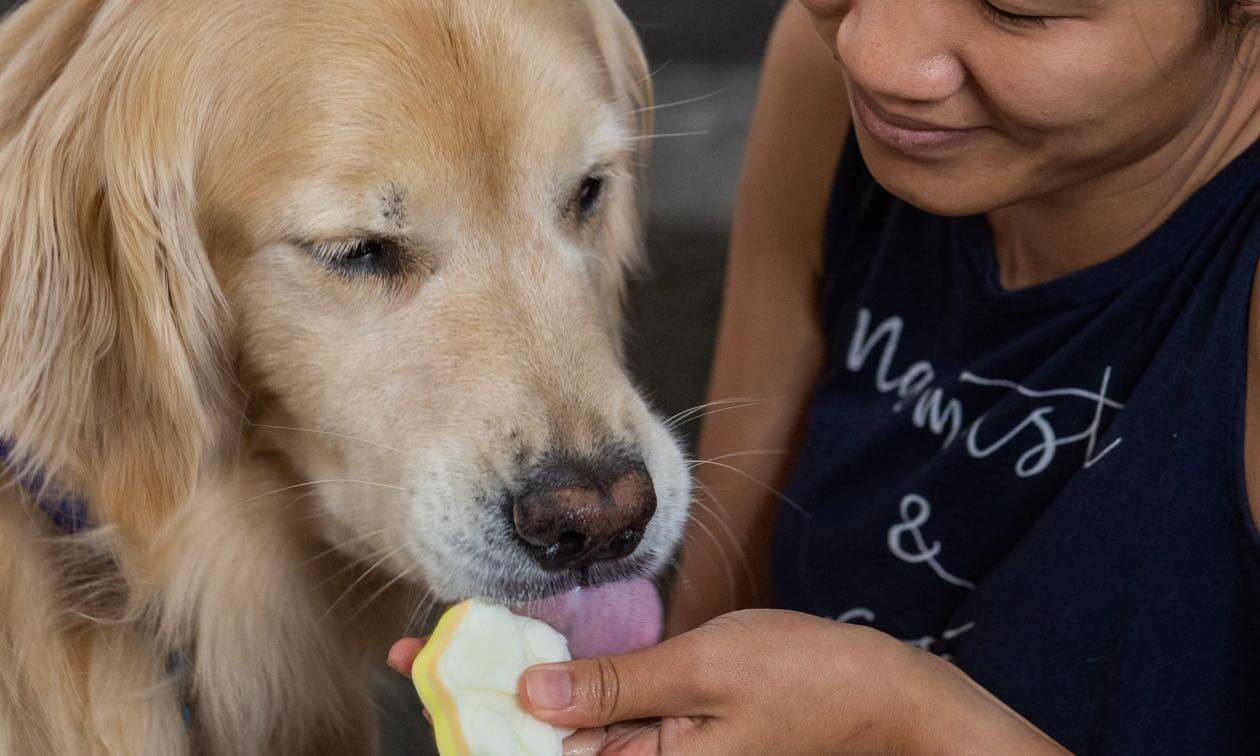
(396,663)
(549,688)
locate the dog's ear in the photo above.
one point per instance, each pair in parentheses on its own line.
(627,63)
(110,318)
(627,67)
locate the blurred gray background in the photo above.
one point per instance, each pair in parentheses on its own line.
(705,55)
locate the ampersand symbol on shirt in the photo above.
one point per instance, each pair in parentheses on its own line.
(915,513)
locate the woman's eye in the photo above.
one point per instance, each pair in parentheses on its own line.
(588,196)
(368,256)
(1006,16)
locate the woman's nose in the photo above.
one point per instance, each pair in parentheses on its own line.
(900,50)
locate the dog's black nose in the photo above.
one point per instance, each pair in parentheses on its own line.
(571,517)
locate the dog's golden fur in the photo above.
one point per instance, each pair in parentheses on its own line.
(270,450)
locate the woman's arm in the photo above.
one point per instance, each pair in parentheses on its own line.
(769,347)
(1251,442)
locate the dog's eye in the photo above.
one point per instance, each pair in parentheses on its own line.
(588,196)
(362,249)
(367,256)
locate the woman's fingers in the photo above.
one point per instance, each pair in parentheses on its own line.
(585,742)
(624,739)
(403,654)
(634,739)
(655,682)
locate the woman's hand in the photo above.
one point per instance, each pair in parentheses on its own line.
(759,682)
(762,681)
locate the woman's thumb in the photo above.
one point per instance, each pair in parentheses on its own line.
(607,689)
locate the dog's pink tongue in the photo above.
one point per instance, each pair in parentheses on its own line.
(609,619)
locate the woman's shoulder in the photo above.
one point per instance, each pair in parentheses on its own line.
(797,133)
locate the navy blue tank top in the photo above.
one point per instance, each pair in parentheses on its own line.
(1044,485)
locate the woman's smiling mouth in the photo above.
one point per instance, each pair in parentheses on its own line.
(905,134)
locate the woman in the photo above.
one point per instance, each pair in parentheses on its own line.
(1010,347)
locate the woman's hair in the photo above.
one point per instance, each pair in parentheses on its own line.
(1223,14)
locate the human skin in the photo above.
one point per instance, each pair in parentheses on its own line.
(1092,124)
(1084,130)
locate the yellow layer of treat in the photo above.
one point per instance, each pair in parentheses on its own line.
(437,699)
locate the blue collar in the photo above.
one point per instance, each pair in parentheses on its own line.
(67,511)
(70,514)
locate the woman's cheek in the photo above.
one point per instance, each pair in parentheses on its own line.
(1050,91)
(1098,80)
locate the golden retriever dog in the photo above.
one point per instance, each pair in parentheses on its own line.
(314,305)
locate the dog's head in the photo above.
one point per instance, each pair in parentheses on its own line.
(401,226)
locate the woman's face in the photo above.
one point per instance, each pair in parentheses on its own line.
(963,107)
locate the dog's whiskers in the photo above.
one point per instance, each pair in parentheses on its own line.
(715,512)
(674,135)
(421,612)
(712,412)
(652,74)
(677,103)
(298,500)
(320,483)
(341,545)
(352,562)
(335,434)
(726,564)
(360,579)
(686,415)
(733,455)
(378,593)
(345,508)
(769,489)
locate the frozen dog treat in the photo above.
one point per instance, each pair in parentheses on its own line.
(467,678)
